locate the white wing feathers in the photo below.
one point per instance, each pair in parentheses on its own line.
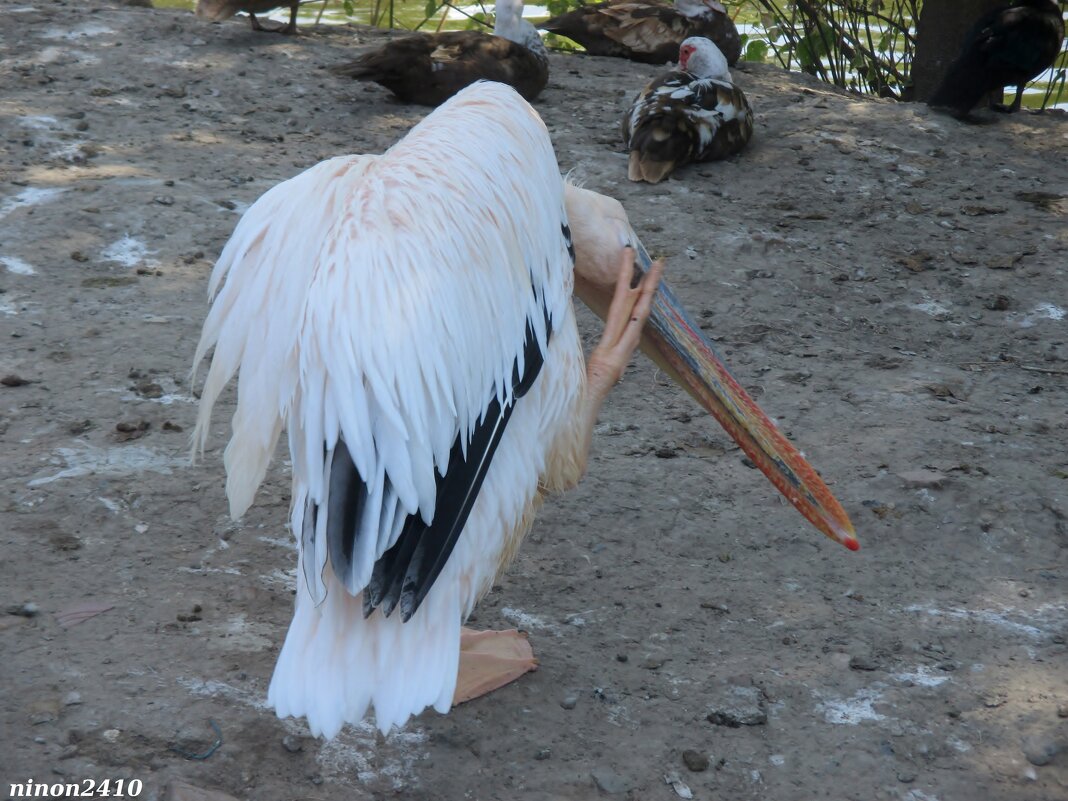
(385,299)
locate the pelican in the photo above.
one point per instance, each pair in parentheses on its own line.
(408,319)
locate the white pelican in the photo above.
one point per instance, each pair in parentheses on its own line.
(429,68)
(691,113)
(408,318)
(647,30)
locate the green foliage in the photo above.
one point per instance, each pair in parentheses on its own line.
(554,41)
(862,45)
(558,7)
(755,50)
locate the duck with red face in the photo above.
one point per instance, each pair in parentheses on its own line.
(691,113)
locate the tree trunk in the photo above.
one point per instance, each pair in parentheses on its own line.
(940,32)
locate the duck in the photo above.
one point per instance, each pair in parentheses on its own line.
(429,68)
(650,32)
(691,113)
(219,10)
(408,319)
(1007,47)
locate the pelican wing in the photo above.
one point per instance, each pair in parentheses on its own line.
(390,311)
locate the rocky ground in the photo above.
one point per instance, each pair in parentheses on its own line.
(889,282)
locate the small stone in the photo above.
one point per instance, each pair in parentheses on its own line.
(682,790)
(543,754)
(12,380)
(128,430)
(622,657)
(150,389)
(72,698)
(1003,262)
(923,479)
(44,710)
(906,776)
(999,303)
(163,200)
(1062,711)
(569,701)
(861,662)
(80,427)
(77,255)
(738,706)
(292,744)
(111,735)
(610,782)
(1041,750)
(24,610)
(653,662)
(695,760)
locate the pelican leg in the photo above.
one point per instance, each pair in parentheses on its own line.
(489,660)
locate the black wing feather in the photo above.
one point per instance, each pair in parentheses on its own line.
(404,574)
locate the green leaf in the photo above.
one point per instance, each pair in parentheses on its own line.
(431,8)
(756,50)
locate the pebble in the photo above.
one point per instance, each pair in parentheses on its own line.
(292,744)
(862,662)
(1062,711)
(999,303)
(738,706)
(653,661)
(695,760)
(544,753)
(569,701)
(923,479)
(24,610)
(1041,750)
(72,698)
(608,781)
(682,790)
(906,776)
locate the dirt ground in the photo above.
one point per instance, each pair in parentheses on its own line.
(889,282)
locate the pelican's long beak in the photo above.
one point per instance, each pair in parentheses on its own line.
(674,341)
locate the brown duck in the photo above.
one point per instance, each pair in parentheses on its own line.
(219,10)
(647,31)
(692,113)
(428,69)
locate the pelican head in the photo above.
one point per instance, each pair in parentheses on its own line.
(599,230)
